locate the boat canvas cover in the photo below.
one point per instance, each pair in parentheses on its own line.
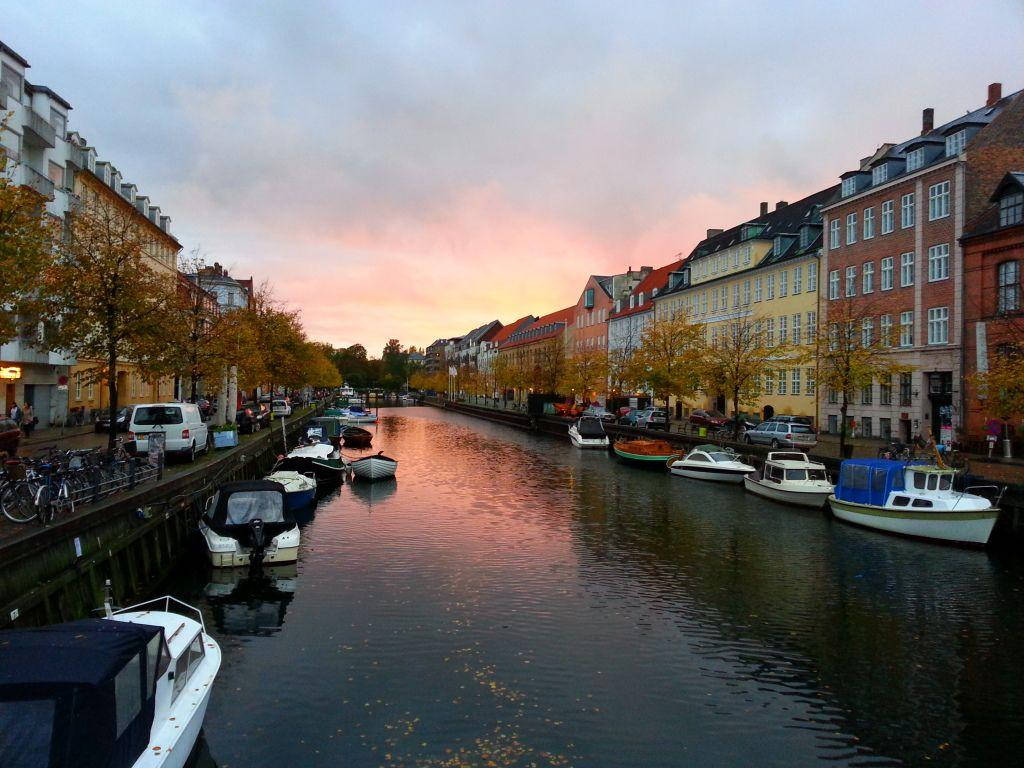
(78,695)
(238,504)
(869,481)
(590,428)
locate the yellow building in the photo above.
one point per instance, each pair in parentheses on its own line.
(101,178)
(763,273)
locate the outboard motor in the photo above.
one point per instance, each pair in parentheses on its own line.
(259,547)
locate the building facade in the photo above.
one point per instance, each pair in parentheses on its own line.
(229,292)
(537,350)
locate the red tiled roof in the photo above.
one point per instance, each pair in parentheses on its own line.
(511,328)
(557,321)
(658,278)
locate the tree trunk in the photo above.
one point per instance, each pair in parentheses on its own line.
(222,399)
(231,404)
(736,415)
(112,397)
(842,428)
(194,387)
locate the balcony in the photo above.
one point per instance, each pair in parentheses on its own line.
(6,92)
(38,131)
(76,158)
(33,179)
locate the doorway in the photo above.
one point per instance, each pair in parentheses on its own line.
(769,411)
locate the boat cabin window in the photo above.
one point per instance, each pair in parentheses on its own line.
(855,476)
(796,474)
(933,482)
(157,659)
(919,480)
(196,651)
(775,473)
(817,474)
(722,457)
(900,501)
(878,480)
(180,675)
(945,482)
(245,506)
(921,503)
(698,457)
(128,693)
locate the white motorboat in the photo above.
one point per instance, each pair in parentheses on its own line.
(356,415)
(912,499)
(711,462)
(299,489)
(407,400)
(792,478)
(126,691)
(375,467)
(247,523)
(588,432)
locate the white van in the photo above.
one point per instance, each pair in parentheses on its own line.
(181,423)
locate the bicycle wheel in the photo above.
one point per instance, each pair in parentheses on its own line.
(18,502)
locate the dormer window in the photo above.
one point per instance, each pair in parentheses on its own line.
(849,186)
(778,245)
(654,292)
(915,159)
(1011,209)
(641,299)
(631,300)
(618,305)
(805,236)
(956,142)
(880,174)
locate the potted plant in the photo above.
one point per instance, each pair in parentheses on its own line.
(225,436)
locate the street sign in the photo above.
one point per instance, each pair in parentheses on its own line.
(62,387)
(155,448)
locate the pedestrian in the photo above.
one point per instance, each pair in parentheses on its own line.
(15,413)
(28,420)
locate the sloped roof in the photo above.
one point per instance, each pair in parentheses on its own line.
(657,278)
(987,221)
(511,328)
(543,328)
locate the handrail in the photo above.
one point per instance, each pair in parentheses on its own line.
(167,600)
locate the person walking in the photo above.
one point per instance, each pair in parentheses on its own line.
(15,413)
(28,420)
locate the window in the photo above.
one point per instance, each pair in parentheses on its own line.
(887,217)
(746,254)
(757,289)
(769,383)
(849,186)
(128,693)
(887,273)
(885,390)
(833,284)
(869,223)
(907,211)
(1008,276)
(938,201)
(746,292)
(880,174)
(797,330)
(833,233)
(722,298)
(812,277)
(867,332)
(771,287)
(810,381)
(938,262)
(784,283)
(640,301)
(885,428)
(851,228)
(866,394)
(782,382)
(769,332)
(812,322)
(588,298)
(915,159)
(938,325)
(91,390)
(865,429)
(851,281)
(704,302)
(798,279)
(794,382)
(868,277)
(714,300)
(735,295)
(783,330)
(1011,209)
(907,269)
(955,143)
(905,388)
(833,397)
(885,330)
(736,257)
(55,173)
(833,423)
(906,329)
(78,386)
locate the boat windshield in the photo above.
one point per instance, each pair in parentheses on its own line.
(796,474)
(722,456)
(817,474)
(245,506)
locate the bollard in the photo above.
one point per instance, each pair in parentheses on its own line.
(1007,450)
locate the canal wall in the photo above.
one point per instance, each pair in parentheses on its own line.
(57,573)
(1008,533)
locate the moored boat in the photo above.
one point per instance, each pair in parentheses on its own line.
(299,489)
(791,478)
(358,415)
(321,459)
(646,453)
(912,499)
(356,437)
(375,467)
(588,432)
(711,462)
(247,523)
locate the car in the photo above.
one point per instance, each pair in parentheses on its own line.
(631,417)
(205,407)
(10,436)
(599,412)
(787,419)
(281,408)
(780,434)
(124,418)
(252,417)
(182,425)
(745,424)
(653,418)
(702,418)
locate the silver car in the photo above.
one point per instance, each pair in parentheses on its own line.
(779,434)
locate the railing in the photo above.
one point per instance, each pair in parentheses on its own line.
(76,157)
(40,126)
(33,179)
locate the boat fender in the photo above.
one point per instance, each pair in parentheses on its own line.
(673,458)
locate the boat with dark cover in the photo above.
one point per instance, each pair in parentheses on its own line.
(247,523)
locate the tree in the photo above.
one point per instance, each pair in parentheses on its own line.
(669,359)
(1002,385)
(548,365)
(105,300)
(27,240)
(849,355)
(586,371)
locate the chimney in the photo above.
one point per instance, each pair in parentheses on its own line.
(764,208)
(713,232)
(781,204)
(927,120)
(995,93)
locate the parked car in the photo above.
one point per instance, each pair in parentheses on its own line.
(281,408)
(787,419)
(600,412)
(205,408)
(185,433)
(702,418)
(124,418)
(780,434)
(10,436)
(631,417)
(653,418)
(745,424)
(252,417)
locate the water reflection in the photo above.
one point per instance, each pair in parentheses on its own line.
(372,493)
(250,602)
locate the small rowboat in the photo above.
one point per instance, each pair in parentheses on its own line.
(376,467)
(646,453)
(356,437)
(299,489)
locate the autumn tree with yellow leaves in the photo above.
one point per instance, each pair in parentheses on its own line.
(670,358)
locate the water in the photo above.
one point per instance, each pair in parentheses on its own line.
(512,601)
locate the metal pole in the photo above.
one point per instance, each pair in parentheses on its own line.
(284,437)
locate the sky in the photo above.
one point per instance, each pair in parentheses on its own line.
(412,170)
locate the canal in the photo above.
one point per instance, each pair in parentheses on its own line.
(512,601)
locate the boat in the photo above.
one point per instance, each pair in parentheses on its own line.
(407,399)
(358,415)
(247,523)
(711,462)
(588,432)
(356,437)
(792,478)
(375,467)
(317,456)
(299,489)
(126,691)
(648,453)
(324,429)
(912,498)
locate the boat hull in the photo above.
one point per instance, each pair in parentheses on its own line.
(734,476)
(299,499)
(809,499)
(642,460)
(971,528)
(374,468)
(178,753)
(587,442)
(239,559)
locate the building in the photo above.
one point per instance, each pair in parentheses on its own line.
(229,292)
(993,248)
(632,313)
(892,253)
(537,350)
(465,351)
(764,273)
(489,347)
(589,330)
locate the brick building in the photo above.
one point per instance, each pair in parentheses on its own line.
(892,252)
(993,250)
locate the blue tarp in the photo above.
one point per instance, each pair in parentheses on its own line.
(869,481)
